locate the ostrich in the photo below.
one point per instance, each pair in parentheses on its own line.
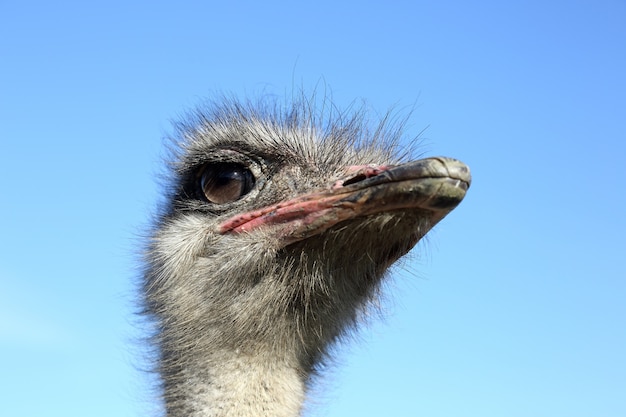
(274,235)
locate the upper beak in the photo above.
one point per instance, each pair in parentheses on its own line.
(434,186)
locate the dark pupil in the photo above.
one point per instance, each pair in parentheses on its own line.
(225,177)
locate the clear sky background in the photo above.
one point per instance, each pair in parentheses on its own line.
(516,306)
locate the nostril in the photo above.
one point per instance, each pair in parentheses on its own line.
(355,179)
(362,172)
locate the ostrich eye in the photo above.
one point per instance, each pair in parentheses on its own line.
(225,183)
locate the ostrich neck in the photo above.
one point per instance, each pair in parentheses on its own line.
(232,384)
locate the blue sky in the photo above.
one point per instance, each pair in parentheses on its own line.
(514,307)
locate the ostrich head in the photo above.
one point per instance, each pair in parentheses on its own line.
(277,230)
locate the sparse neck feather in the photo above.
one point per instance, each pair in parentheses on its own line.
(233,384)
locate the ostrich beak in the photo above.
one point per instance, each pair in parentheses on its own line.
(434,186)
